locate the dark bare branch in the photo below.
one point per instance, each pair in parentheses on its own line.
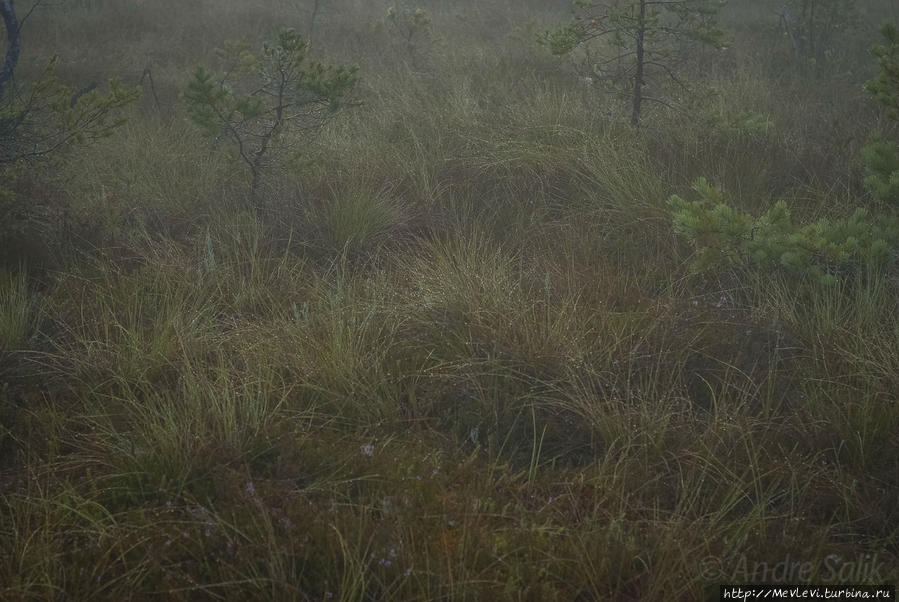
(13,44)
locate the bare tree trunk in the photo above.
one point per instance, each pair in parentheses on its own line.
(812,37)
(638,78)
(11,23)
(316,5)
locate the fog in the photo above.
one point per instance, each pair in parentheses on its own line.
(447,300)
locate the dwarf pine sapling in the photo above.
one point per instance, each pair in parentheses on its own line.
(41,116)
(824,250)
(880,155)
(267,104)
(638,40)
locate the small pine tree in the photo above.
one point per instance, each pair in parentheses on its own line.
(882,167)
(42,117)
(823,251)
(414,31)
(281,95)
(880,156)
(45,116)
(639,40)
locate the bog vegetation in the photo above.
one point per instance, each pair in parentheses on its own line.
(447,300)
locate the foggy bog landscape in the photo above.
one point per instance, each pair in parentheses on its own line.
(445,300)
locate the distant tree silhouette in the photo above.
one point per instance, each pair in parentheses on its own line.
(13,44)
(637,39)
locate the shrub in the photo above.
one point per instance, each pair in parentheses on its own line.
(882,166)
(39,119)
(641,41)
(413,29)
(823,251)
(880,156)
(885,87)
(281,93)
